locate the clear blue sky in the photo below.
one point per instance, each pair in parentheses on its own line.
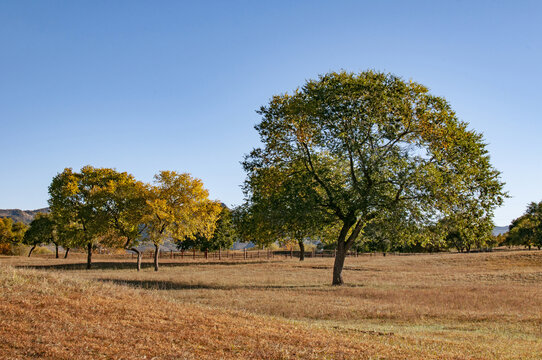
(143,86)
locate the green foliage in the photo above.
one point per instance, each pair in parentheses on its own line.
(527,229)
(180,208)
(280,207)
(124,201)
(6,234)
(76,201)
(11,232)
(372,147)
(223,237)
(466,231)
(97,206)
(11,235)
(42,230)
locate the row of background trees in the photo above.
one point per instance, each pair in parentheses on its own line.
(107,208)
(234,226)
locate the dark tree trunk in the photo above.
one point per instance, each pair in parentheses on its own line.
(138,253)
(156,253)
(56,250)
(340,256)
(89,257)
(66,253)
(343,244)
(31,249)
(301,250)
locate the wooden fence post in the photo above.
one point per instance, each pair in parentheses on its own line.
(205,253)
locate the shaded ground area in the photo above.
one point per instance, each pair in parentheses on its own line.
(124,264)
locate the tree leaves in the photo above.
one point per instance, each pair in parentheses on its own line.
(371,148)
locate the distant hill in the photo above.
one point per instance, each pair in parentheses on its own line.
(241,245)
(24,216)
(497,230)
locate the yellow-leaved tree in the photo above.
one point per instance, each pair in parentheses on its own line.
(180,208)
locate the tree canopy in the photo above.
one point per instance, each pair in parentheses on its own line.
(281,208)
(180,208)
(77,199)
(527,229)
(222,237)
(42,230)
(11,233)
(371,147)
(111,208)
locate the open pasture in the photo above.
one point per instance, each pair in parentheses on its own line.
(456,306)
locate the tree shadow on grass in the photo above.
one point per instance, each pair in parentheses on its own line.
(171,285)
(122,265)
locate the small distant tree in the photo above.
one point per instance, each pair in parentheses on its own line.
(527,229)
(41,231)
(179,209)
(6,232)
(222,238)
(466,230)
(11,233)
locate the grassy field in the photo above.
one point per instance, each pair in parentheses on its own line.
(445,306)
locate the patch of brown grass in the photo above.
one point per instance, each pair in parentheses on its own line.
(49,317)
(424,306)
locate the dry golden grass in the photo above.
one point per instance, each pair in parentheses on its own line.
(480,306)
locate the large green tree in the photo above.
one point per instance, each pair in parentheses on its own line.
(373,147)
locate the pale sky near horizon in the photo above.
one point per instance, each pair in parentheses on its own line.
(144,86)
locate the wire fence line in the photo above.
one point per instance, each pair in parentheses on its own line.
(238,254)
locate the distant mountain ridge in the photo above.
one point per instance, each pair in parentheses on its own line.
(24,216)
